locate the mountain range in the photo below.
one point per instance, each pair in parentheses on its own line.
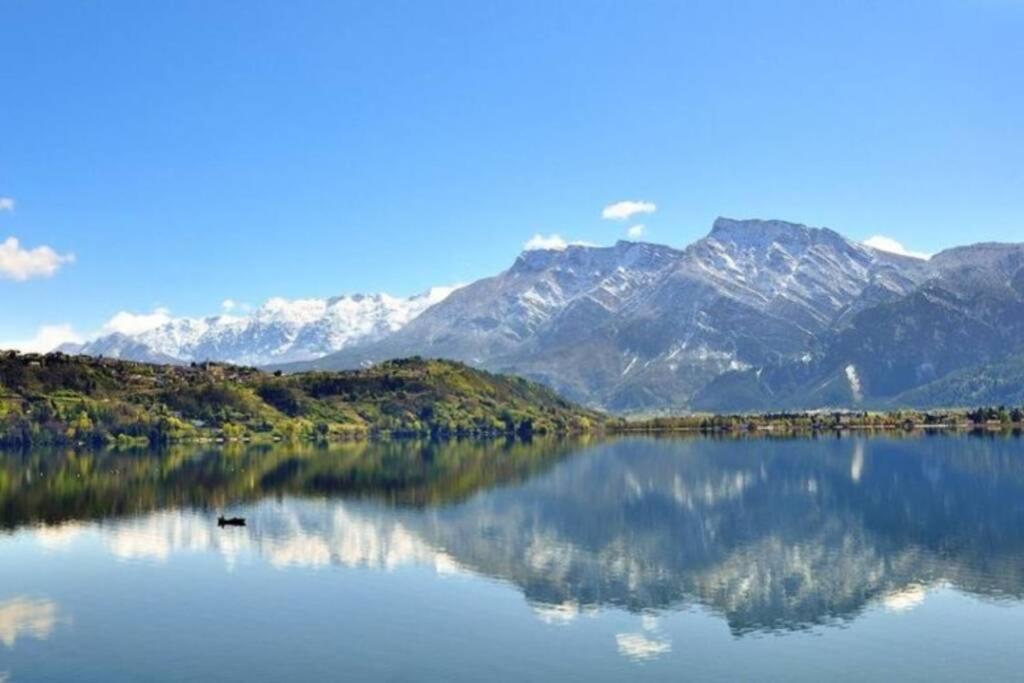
(279,331)
(757,315)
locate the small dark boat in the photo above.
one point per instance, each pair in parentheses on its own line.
(230,521)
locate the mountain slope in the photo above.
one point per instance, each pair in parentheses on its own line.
(994,384)
(640,326)
(970,313)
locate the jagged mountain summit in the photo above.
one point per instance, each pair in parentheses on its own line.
(279,331)
(640,326)
(955,340)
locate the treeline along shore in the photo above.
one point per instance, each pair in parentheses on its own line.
(995,418)
(57,399)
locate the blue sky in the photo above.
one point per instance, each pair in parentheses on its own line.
(189,152)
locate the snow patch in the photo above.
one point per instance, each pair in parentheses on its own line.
(855,386)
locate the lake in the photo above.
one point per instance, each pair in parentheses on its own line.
(853,558)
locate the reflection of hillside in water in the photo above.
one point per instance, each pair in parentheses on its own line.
(52,487)
(771,534)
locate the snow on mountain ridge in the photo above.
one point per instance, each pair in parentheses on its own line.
(281,330)
(639,325)
(771,264)
(634,325)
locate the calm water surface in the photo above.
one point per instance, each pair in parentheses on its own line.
(634,559)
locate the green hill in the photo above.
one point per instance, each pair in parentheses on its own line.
(56,398)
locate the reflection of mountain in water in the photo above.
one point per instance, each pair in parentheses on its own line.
(772,534)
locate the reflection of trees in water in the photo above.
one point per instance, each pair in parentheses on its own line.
(772,534)
(51,487)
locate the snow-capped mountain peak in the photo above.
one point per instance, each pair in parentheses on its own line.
(637,325)
(279,331)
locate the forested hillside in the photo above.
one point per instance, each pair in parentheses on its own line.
(57,398)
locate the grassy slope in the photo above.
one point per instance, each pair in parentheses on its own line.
(57,398)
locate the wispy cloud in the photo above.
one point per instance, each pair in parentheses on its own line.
(545,242)
(19,263)
(235,307)
(555,242)
(46,338)
(888,244)
(636,231)
(622,211)
(52,336)
(136,323)
(6,204)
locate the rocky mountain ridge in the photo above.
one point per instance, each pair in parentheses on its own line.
(757,315)
(642,327)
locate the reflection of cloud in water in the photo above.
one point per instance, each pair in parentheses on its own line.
(639,647)
(646,645)
(335,534)
(790,535)
(290,534)
(711,491)
(904,600)
(24,617)
(57,537)
(155,537)
(560,614)
(649,622)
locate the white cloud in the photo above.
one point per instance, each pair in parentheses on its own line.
(556,242)
(136,323)
(6,204)
(50,337)
(47,338)
(21,264)
(888,244)
(621,211)
(235,308)
(545,242)
(636,231)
